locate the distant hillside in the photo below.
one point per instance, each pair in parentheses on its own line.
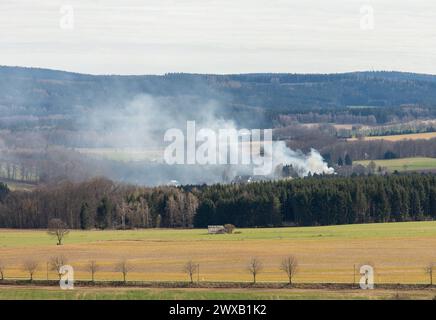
(40,92)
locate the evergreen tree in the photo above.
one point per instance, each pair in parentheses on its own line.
(85,217)
(275,211)
(4,190)
(104,211)
(348,160)
(432,202)
(416,205)
(327,158)
(396,204)
(360,206)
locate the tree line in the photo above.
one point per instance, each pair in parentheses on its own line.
(319,200)
(289,266)
(379,149)
(99,203)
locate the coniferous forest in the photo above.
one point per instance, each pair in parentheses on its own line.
(318,200)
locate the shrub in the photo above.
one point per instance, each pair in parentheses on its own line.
(229,228)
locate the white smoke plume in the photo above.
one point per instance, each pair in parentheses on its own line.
(303,164)
(138,126)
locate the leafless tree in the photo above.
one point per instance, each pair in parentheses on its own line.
(2,271)
(58,229)
(190,269)
(30,266)
(429,271)
(124,267)
(229,228)
(290,267)
(255,267)
(92,267)
(56,263)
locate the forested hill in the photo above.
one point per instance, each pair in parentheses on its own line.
(30,91)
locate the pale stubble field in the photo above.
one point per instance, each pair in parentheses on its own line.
(399,252)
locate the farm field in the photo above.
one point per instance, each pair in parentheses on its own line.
(123,154)
(154,154)
(50,293)
(399,137)
(399,252)
(19,186)
(404,164)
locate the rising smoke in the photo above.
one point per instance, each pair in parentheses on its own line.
(139,126)
(303,164)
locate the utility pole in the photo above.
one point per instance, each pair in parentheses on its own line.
(198,273)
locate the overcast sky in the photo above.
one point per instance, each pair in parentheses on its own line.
(218,36)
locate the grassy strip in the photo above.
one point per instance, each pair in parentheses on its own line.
(214,285)
(21,238)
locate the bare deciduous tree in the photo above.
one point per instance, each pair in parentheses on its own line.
(190,269)
(429,271)
(92,267)
(56,263)
(30,266)
(58,229)
(229,228)
(290,267)
(124,267)
(254,267)
(2,271)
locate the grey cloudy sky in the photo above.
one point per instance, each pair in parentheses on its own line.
(218,36)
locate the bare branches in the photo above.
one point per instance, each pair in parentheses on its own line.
(2,271)
(190,268)
(289,265)
(229,228)
(56,264)
(92,267)
(124,267)
(30,266)
(429,271)
(58,229)
(255,267)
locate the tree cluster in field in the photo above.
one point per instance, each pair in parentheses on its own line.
(379,149)
(319,200)
(413,127)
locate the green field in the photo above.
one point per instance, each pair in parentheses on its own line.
(20,186)
(31,293)
(404,164)
(124,154)
(34,238)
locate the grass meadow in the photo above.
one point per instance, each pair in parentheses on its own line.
(404,164)
(399,252)
(399,137)
(49,293)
